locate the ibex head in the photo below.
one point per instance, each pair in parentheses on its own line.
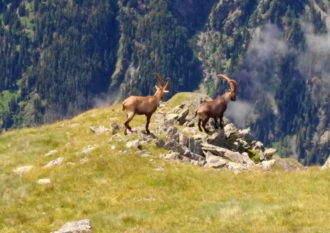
(233,86)
(160,87)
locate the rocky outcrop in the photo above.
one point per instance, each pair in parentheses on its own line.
(230,148)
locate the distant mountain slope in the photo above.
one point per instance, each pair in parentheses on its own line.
(62,57)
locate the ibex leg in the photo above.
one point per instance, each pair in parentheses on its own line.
(216,123)
(130,116)
(204,124)
(147,125)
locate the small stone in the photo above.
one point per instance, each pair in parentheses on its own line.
(160,142)
(135,143)
(44,181)
(22,170)
(52,152)
(54,162)
(173,155)
(98,130)
(84,160)
(113,147)
(114,128)
(81,226)
(87,149)
(159,169)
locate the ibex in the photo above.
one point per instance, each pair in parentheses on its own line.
(215,108)
(145,105)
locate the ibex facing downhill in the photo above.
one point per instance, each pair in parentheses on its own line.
(215,108)
(145,105)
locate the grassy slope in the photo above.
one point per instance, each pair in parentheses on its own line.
(130,193)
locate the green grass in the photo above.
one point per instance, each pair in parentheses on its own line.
(124,192)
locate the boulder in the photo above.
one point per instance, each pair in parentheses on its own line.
(267,164)
(217,138)
(173,145)
(215,162)
(172,133)
(239,167)
(81,226)
(287,164)
(227,154)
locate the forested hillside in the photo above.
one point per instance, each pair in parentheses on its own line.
(59,58)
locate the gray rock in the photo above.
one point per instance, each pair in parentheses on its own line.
(195,146)
(192,155)
(267,164)
(23,170)
(287,164)
(171,116)
(326,165)
(268,153)
(135,143)
(231,131)
(227,154)
(99,130)
(160,142)
(172,133)
(182,116)
(217,138)
(81,226)
(54,162)
(183,140)
(87,149)
(175,146)
(172,155)
(215,162)
(238,167)
(114,128)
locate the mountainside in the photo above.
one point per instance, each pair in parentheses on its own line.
(86,168)
(62,57)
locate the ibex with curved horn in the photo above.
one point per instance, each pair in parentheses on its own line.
(145,105)
(215,108)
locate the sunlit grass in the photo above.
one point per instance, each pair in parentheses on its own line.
(120,191)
